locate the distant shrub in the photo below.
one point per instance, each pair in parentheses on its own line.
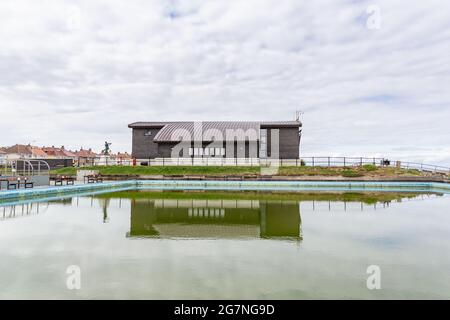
(302,163)
(351,174)
(370,167)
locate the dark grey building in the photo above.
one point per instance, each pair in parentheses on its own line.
(230,139)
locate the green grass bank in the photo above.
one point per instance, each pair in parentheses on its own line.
(349,172)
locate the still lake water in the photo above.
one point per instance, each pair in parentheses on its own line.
(174,245)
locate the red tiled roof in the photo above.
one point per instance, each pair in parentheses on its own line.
(38,152)
(85,153)
(19,149)
(59,152)
(69,153)
(25,150)
(125,155)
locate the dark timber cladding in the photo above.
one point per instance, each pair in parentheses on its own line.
(251,139)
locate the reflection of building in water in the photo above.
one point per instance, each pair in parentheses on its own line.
(215,218)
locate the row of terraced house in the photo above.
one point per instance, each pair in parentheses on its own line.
(56,155)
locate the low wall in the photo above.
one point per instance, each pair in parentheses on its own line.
(82,173)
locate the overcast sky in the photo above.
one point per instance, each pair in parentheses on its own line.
(75,73)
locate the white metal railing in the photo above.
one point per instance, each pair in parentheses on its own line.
(360,161)
(422,167)
(321,161)
(304,161)
(340,161)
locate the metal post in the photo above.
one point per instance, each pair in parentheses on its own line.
(313,161)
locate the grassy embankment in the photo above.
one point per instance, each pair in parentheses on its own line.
(349,172)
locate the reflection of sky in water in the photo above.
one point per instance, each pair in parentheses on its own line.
(322,250)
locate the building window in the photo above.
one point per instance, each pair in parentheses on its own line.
(206,152)
(263,143)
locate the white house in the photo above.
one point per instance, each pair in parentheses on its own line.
(2,157)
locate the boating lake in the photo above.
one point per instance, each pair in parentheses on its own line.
(227,245)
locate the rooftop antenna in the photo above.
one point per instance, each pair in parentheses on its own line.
(298,113)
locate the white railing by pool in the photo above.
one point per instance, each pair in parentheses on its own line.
(320,161)
(303,161)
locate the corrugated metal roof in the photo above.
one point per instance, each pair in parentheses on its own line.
(211,130)
(281,123)
(146,124)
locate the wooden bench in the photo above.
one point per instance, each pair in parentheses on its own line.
(93,179)
(14,183)
(59,180)
(11,183)
(27,184)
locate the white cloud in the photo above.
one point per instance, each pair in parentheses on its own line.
(77,72)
